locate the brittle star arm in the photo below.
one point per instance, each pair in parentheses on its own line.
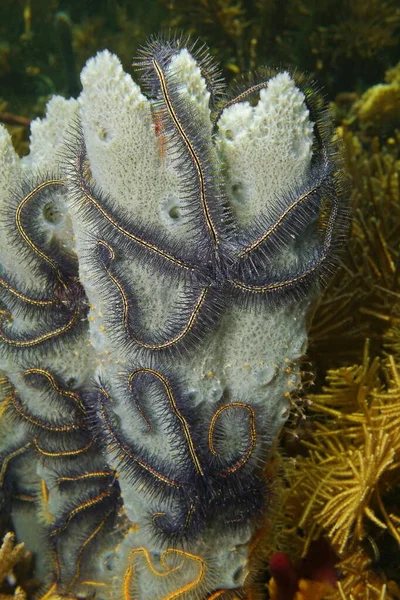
(310,270)
(192,318)
(85,194)
(252,435)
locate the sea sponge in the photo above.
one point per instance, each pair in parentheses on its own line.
(150,337)
(379,104)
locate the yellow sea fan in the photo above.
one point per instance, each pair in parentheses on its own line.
(349,480)
(359,582)
(363,299)
(354,457)
(340,490)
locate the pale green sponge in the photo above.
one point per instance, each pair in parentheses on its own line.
(161,250)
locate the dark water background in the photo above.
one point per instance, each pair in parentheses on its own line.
(347,45)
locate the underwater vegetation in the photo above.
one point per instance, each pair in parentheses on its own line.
(345,487)
(344,43)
